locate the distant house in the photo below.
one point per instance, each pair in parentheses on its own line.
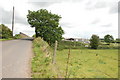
(23,35)
(77,39)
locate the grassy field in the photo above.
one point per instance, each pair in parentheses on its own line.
(87,63)
(83,63)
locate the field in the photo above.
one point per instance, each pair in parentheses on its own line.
(87,63)
(83,63)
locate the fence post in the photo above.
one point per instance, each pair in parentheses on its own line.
(54,54)
(67,66)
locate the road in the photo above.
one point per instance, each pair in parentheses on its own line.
(16,57)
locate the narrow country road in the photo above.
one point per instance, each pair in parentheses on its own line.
(16,56)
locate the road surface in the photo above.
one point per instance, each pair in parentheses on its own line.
(16,57)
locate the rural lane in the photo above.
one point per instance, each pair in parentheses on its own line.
(16,58)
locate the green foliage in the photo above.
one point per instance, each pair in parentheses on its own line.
(108,38)
(69,44)
(117,40)
(17,36)
(46,25)
(110,46)
(94,41)
(34,36)
(5,32)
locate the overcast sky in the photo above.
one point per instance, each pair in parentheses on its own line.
(80,18)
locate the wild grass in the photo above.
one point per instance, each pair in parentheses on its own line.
(87,63)
(84,63)
(41,62)
(6,39)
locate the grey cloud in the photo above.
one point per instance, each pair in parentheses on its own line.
(67,25)
(114,9)
(21,20)
(107,25)
(47,3)
(95,21)
(55,0)
(42,4)
(100,5)
(7,17)
(95,5)
(90,5)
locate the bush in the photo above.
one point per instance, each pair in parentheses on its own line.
(68,44)
(110,46)
(94,42)
(5,32)
(17,36)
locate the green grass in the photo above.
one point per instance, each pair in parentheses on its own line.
(5,39)
(41,62)
(86,63)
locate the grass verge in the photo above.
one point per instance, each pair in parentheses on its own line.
(6,39)
(41,62)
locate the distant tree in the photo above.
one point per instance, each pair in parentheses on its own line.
(94,41)
(108,38)
(46,25)
(5,32)
(17,36)
(117,40)
(34,36)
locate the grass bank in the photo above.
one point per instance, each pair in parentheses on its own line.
(42,61)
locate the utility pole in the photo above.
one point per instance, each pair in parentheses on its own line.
(13,21)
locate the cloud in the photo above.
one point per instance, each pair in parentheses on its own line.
(66,25)
(107,25)
(95,21)
(55,0)
(90,5)
(41,4)
(114,9)
(47,3)
(7,17)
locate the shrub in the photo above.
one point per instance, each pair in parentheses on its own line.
(69,44)
(94,42)
(110,46)
(5,32)
(17,36)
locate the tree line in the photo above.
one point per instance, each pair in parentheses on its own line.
(95,40)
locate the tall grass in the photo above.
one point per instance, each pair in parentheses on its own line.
(41,62)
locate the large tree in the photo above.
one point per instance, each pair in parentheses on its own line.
(5,32)
(46,25)
(94,41)
(108,38)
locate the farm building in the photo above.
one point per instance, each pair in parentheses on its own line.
(77,39)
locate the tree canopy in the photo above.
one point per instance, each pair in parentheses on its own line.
(94,41)
(5,32)
(46,25)
(108,38)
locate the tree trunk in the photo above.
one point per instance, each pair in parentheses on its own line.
(36,32)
